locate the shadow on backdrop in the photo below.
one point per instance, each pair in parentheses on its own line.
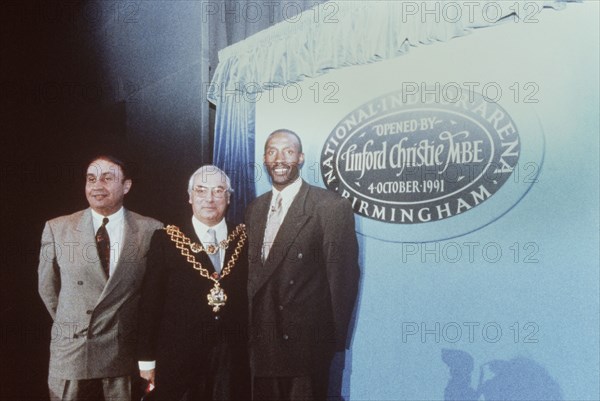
(517,379)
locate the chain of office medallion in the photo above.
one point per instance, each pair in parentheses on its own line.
(182,242)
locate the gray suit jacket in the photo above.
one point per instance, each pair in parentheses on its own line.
(95,318)
(301,299)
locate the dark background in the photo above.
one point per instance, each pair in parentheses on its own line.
(79,78)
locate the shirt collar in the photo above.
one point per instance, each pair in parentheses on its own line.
(288,193)
(201,228)
(114,218)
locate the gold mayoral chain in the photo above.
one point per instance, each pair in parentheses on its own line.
(216,297)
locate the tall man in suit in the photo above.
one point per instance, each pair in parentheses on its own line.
(303,278)
(194,306)
(90,273)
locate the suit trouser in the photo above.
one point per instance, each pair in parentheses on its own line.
(103,389)
(296,388)
(224,374)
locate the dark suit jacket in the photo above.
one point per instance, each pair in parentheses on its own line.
(180,331)
(95,319)
(302,298)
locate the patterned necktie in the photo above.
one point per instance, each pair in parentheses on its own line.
(273,223)
(103,244)
(215,258)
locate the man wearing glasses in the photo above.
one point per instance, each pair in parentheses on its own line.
(90,272)
(193,310)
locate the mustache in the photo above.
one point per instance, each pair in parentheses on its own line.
(281,165)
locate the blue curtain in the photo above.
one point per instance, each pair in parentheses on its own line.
(234,150)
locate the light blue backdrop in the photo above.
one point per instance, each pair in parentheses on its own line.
(527,317)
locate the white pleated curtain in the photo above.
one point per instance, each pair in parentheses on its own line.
(332,35)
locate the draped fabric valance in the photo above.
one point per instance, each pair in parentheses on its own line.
(332,35)
(344,33)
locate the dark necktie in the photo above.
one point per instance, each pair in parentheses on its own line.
(103,243)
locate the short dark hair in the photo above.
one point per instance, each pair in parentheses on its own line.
(285,131)
(114,160)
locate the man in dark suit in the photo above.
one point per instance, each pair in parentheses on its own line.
(194,305)
(90,273)
(303,278)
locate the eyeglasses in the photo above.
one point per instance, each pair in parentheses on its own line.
(203,192)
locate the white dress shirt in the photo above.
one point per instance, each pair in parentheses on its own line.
(287,197)
(201,230)
(115,229)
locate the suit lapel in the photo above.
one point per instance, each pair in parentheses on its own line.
(232,246)
(293,222)
(258,224)
(130,246)
(87,236)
